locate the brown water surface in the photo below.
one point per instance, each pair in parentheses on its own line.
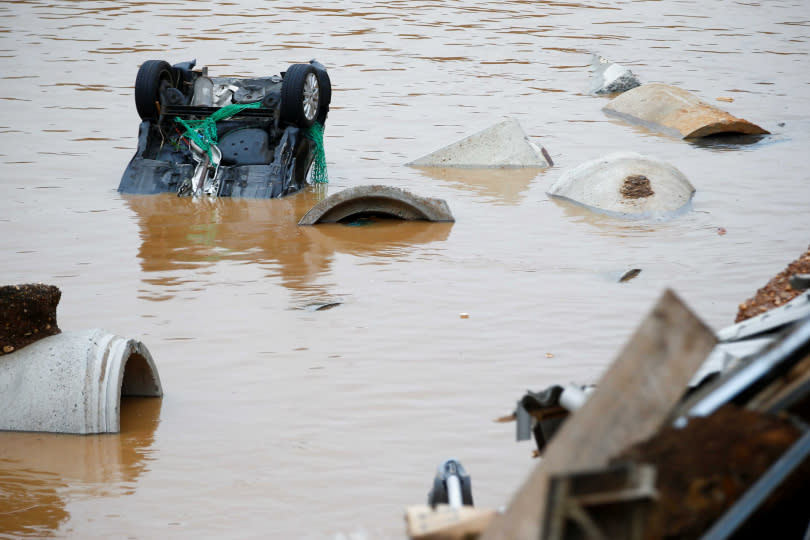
(284,421)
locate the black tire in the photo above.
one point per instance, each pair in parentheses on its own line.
(326,95)
(153,76)
(301,102)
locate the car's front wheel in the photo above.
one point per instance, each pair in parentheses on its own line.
(301,100)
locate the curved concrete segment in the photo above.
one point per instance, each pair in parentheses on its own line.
(503,145)
(380,200)
(626,184)
(73,382)
(676,112)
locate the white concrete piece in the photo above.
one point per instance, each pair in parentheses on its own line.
(376,199)
(601,185)
(73,382)
(611,78)
(503,145)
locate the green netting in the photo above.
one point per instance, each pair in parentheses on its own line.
(315,134)
(204,132)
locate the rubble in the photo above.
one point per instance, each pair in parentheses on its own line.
(777,292)
(730,458)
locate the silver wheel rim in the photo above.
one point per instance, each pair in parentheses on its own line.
(311,96)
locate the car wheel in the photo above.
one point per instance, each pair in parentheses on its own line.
(326,94)
(153,76)
(301,101)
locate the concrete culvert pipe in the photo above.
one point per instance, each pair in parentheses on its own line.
(376,200)
(73,382)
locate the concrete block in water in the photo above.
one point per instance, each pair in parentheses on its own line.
(611,78)
(503,145)
(73,382)
(626,184)
(676,112)
(374,199)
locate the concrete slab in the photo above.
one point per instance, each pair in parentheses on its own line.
(504,144)
(676,112)
(375,199)
(73,382)
(627,185)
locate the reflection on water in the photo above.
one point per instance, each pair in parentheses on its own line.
(505,186)
(180,233)
(40,472)
(733,141)
(30,504)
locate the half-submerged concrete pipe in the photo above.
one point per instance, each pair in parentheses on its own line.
(73,382)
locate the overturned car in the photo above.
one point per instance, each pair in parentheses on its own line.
(238,137)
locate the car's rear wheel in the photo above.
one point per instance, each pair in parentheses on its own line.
(326,94)
(301,101)
(153,76)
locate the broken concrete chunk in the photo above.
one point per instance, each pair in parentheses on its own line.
(503,145)
(676,112)
(27,314)
(626,184)
(611,78)
(380,200)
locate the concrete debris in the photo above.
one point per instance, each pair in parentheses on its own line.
(387,201)
(611,78)
(504,144)
(73,382)
(627,185)
(676,112)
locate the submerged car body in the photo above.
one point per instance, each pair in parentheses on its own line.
(238,137)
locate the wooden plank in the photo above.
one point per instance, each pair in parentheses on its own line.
(632,399)
(445,522)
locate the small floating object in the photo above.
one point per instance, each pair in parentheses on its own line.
(630,274)
(626,184)
(504,144)
(676,112)
(359,202)
(464,315)
(611,78)
(322,306)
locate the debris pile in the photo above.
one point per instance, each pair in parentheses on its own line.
(778,291)
(730,457)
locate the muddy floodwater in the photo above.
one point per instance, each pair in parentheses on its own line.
(282,420)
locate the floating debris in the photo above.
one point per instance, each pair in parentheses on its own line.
(630,274)
(611,78)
